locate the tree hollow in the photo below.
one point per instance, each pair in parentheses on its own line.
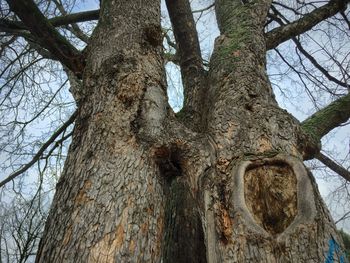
(270,192)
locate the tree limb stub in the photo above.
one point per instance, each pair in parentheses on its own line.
(284,33)
(49,38)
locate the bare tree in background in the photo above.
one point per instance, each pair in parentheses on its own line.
(223,180)
(21,227)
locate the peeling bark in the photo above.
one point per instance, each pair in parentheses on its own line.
(248,216)
(134,174)
(109,202)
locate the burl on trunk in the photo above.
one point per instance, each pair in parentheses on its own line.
(141,184)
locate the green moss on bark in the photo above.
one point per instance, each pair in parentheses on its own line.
(330,117)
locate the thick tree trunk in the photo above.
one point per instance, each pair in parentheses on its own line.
(108,205)
(135,175)
(261,204)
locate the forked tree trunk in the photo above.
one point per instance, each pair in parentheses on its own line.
(137,182)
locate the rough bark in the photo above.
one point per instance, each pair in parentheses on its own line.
(131,163)
(260,202)
(184,237)
(328,118)
(108,205)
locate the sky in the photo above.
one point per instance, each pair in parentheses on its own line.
(297,103)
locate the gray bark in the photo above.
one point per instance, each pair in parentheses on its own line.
(132,163)
(109,202)
(261,204)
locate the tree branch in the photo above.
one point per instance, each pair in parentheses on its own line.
(328,118)
(305,53)
(75,18)
(286,32)
(32,41)
(73,27)
(190,59)
(345,216)
(49,38)
(333,166)
(204,9)
(17,28)
(41,150)
(56,21)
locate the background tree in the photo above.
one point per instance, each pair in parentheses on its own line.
(221,181)
(22,224)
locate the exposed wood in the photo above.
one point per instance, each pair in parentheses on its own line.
(109,202)
(253,137)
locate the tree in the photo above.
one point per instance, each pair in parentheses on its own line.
(346,239)
(221,181)
(22,224)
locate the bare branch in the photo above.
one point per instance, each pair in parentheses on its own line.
(49,38)
(73,27)
(189,53)
(41,150)
(56,21)
(333,166)
(307,54)
(286,32)
(75,18)
(346,19)
(203,9)
(328,118)
(345,216)
(317,65)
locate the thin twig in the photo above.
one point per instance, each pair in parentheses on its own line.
(41,150)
